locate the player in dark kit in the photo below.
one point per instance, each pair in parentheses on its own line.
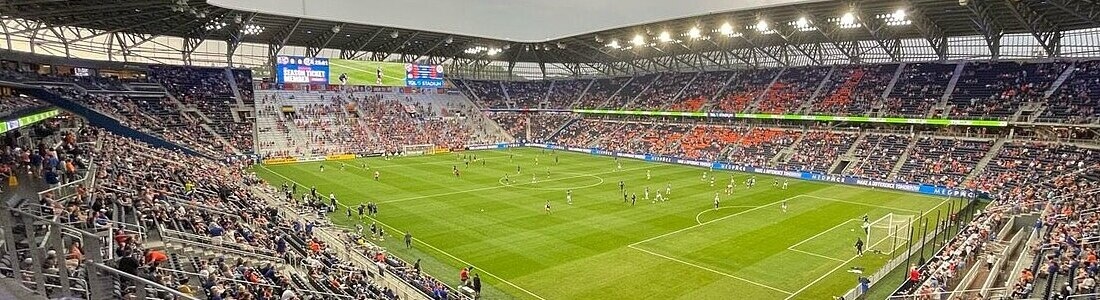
(378,76)
(859,246)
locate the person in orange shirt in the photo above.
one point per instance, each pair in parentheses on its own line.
(153,258)
(314,246)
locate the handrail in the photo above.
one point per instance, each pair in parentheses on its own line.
(205,242)
(143,281)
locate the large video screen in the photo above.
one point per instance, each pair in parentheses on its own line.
(297,69)
(376,73)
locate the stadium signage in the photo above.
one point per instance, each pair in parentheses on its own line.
(13,124)
(916,188)
(947,122)
(298,69)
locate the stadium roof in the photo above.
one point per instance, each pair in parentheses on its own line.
(527,21)
(813,29)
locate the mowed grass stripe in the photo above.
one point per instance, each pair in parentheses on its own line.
(581,250)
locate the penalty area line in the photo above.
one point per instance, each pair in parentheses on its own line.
(709,269)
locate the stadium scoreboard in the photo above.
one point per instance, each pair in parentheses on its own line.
(418,75)
(298,69)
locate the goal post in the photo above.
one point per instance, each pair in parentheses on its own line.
(421,149)
(888,232)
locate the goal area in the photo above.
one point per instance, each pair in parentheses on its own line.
(423,149)
(888,232)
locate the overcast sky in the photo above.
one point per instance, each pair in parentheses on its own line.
(513,20)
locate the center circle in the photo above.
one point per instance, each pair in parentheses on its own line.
(527,185)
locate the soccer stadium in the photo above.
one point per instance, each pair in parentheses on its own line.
(700,149)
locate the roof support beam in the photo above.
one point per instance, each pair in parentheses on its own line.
(879,31)
(359,44)
(1080,9)
(931,32)
(433,47)
(1041,29)
(321,41)
(983,17)
(832,34)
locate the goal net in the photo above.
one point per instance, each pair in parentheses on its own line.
(422,149)
(888,233)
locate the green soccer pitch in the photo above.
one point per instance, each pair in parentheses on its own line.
(362,72)
(602,248)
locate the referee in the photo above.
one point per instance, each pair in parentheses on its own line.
(859,246)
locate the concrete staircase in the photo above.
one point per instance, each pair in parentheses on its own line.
(809,103)
(904,157)
(1061,79)
(756,100)
(993,151)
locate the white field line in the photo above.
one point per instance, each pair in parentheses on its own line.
(421,242)
(822,232)
(854,257)
(815,254)
(711,221)
(709,269)
(700,214)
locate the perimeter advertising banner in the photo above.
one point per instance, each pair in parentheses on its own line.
(298,69)
(380,73)
(947,122)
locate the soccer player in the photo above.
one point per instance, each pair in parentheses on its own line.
(536,160)
(859,246)
(622,186)
(322,168)
(456,173)
(659,197)
(548,207)
(375,175)
(633,199)
(785,182)
(517,169)
(620,166)
(547,172)
(646,193)
(361,209)
(506,180)
(378,76)
(775,182)
(866,225)
(647,176)
(534,179)
(343,78)
(332,200)
(555,159)
(704,176)
(784,206)
(716,200)
(729,188)
(408,239)
(668,189)
(712,181)
(569,197)
(343,166)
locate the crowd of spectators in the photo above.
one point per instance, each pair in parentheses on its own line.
(701,90)
(943,161)
(631,90)
(853,90)
(1078,99)
(563,93)
(209,90)
(877,155)
(662,92)
(817,150)
(996,90)
(740,92)
(487,94)
(918,88)
(600,92)
(14,104)
(791,89)
(757,147)
(527,94)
